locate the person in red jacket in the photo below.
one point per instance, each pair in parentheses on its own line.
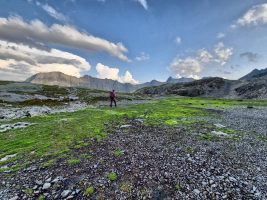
(112,97)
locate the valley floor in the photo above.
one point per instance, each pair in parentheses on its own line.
(175,148)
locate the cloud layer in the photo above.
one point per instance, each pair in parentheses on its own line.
(37,34)
(104,71)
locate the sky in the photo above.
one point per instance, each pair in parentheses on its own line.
(132,41)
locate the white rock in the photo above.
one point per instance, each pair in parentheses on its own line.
(7,157)
(65,193)
(139,120)
(196,191)
(4,167)
(219,125)
(14,198)
(219,133)
(38,182)
(49,179)
(232,179)
(46,186)
(125,126)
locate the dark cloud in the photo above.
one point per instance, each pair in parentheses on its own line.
(250,56)
(58,60)
(17,57)
(17,68)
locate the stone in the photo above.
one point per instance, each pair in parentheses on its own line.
(219,125)
(232,179)
(46,186)
(48,180)
(196,191)
(125,126)
(14,198)
(7,157)
(38,182)
(139,120)
(219,133)
(65,193)
(57,179)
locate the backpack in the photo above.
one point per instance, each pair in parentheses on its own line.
(112,95)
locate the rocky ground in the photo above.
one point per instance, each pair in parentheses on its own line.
(10,112)
(143,162)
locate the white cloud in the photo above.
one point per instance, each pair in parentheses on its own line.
(19,61)
(53,13)
(143,3)
(220,35)
(255,16)
(192,66)
(128,78)
(37,34)
(188,67)
(143,56)
(104,71)
(222,53)
(204,56)
(178,40)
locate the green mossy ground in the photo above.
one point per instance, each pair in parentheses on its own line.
(55,135)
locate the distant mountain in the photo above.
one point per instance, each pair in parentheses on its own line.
(215,87)
(202,87)
(179,80)
(61,79)
(256,73)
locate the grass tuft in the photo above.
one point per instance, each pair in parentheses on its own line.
(112,176)
(73,162)
(89,191)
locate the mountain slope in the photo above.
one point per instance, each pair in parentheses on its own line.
(204,87)
(61,79)
(256,73)
(213,87)
(179,80)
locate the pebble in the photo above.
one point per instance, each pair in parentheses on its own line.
(46,186)
(14,198)
(196,191)
(65,193)
(125,126)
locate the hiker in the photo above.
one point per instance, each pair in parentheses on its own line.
(112,96)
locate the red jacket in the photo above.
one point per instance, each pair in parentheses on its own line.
(112,95)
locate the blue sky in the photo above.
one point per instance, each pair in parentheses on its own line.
(132,40)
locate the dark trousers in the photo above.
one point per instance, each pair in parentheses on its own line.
(113,100)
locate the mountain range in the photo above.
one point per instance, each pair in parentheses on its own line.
(61,79)
(252,85)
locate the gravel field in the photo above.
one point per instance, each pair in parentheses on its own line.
(159,163)
(245,119)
